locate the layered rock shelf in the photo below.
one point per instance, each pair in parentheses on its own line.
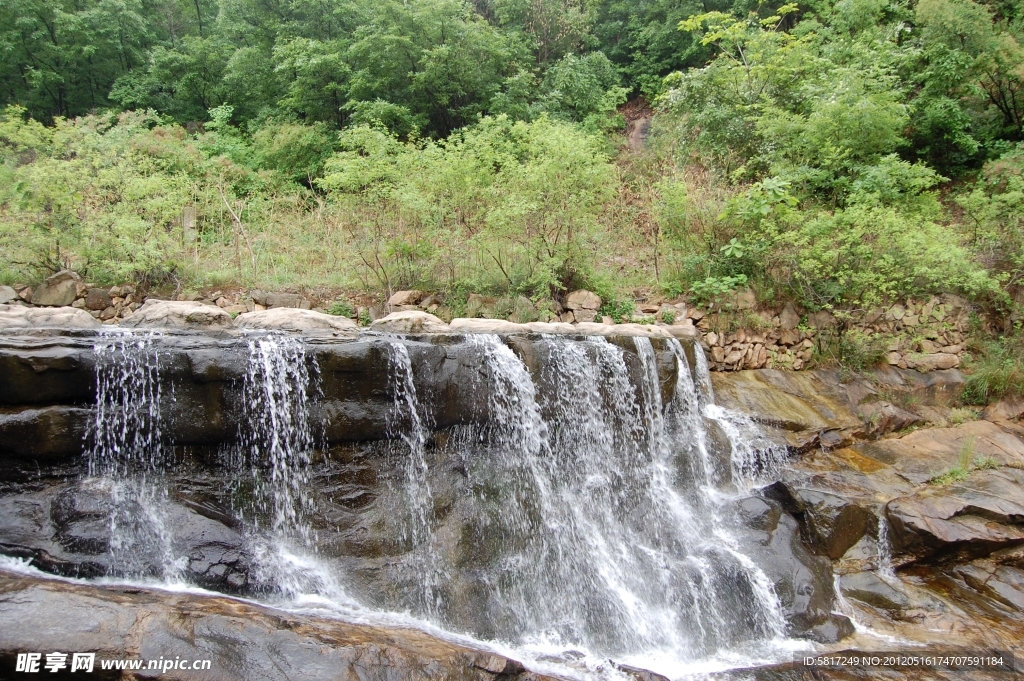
(736,333)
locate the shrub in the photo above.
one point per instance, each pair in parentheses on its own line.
(994,371)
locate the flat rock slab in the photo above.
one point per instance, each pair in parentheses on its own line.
(925,454)
(297,320)
(805,408)
(975,517)
(242,640)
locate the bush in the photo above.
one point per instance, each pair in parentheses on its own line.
(859,350)
(994,370)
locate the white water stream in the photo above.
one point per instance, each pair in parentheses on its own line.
(604,504)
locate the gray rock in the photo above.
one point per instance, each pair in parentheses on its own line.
(802,581)
(298,321)
(57,290)
(868,587)
(7,294)
(410,321)
(286,300)
(169,314)
(832,522)
(14,317)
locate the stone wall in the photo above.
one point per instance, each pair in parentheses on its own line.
(922,335)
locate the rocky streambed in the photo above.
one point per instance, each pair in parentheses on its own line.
(411,492)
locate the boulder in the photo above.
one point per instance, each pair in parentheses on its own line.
(881,418)
(584,315)
(802,581)
(57,290)
(971,518)
(931,362)
(13,317)
(241,640)
(169,314)
(788,318)
(286,300)
(466,325)
(98,299)
(832,523)
(406,298)
(7,294)
(583,300)
(295,320)
(410,321)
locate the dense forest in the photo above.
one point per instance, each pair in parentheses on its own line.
(839,154)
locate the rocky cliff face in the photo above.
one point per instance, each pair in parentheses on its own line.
(922,517)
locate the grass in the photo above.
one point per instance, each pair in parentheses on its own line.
(966,464)
(961,415)
(995,370)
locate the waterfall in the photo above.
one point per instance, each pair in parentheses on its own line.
(601,541)
(883,561)
(276,437)
(126,454)
(594,507)
(276,443)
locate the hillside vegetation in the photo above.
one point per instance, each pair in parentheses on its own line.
(834,154)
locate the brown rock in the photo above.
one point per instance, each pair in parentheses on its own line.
(410,297)
(242,640)
(585,300)
(788,318)
(881,418)
(97,299)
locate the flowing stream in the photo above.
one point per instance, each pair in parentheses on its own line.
(603,505)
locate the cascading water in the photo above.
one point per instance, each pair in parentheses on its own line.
(126,456)
(276,438)
(598,508)
(600,540)
(276,444)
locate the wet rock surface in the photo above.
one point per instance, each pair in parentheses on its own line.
(858,497)
(241,640)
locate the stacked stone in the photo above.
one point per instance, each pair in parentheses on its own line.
(931,334)
(66,289)
(925,335)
